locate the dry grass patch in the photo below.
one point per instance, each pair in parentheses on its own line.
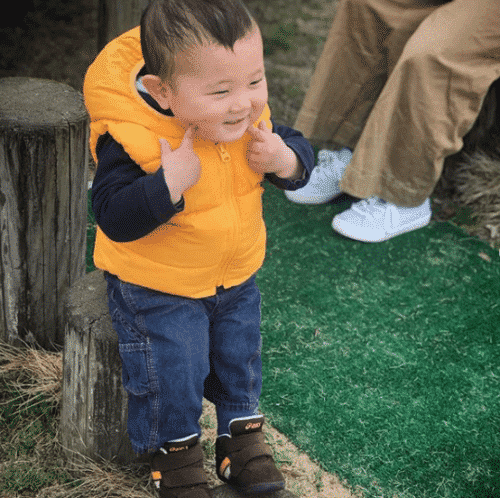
(477,180)
(32,462)
(34,373)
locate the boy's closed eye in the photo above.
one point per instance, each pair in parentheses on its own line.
(222,92)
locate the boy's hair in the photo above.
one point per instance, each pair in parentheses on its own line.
(170,26)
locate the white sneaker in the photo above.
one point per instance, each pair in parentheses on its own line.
(323,185)
(374,220)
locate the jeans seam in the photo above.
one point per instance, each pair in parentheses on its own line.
(153,383)
(253,376)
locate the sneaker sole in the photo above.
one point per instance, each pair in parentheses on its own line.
(305,200)
(408,228)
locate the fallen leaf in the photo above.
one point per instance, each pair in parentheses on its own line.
(493,230)
(484,256)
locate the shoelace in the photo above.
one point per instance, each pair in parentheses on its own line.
(325,169)
(321,170)
(376,209)
(369,207)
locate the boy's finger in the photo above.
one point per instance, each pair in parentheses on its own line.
(263,127)
(256,133)
(189,136)
(256,150)
(252,130)
(264,130)
(165,146)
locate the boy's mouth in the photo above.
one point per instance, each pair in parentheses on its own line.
(235,121)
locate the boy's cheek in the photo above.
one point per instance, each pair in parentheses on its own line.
(261,102)
(257,110)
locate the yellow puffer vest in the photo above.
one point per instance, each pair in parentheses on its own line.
(219,239)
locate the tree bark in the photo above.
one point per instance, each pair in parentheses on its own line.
(116,17)
(43,210)
(94,403)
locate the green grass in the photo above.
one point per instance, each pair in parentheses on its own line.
(28,429)
(281,38)
(382,361)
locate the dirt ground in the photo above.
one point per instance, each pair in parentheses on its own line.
(303,476)
(59,40)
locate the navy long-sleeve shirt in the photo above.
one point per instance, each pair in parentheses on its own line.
(129,204)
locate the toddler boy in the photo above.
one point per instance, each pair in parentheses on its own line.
(181,133)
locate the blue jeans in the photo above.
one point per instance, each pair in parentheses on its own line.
(176,350)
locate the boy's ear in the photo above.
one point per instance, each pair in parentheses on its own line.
(158,89)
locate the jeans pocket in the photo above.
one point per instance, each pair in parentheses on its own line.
(135,375)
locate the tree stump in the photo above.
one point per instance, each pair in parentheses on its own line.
(116,17)
(43,206)
(94,403)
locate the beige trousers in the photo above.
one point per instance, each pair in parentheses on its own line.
(401,82)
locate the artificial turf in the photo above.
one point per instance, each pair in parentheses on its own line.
(382,360)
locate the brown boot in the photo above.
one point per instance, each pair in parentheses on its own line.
(177,470)
(244,460)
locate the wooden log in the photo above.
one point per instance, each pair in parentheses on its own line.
(94,403)
(116,17)
(43,211)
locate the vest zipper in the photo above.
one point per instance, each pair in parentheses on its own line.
(224,154)
(226,158)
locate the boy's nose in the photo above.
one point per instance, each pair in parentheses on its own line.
(242,103)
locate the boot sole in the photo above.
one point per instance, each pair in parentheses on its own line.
(263,488)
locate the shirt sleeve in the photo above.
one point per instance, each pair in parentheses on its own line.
(304,151)
(128,203)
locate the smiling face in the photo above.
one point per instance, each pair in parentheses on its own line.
(218,90)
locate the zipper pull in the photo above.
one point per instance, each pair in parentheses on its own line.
(224,154)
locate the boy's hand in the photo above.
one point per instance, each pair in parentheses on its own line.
(267,153)
(181,167)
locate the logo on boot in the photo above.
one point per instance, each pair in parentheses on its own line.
(179,448)
(253,426)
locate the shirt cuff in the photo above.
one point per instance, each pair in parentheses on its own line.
(158,197)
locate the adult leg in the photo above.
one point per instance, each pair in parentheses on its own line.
(364,42)
(430,101)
